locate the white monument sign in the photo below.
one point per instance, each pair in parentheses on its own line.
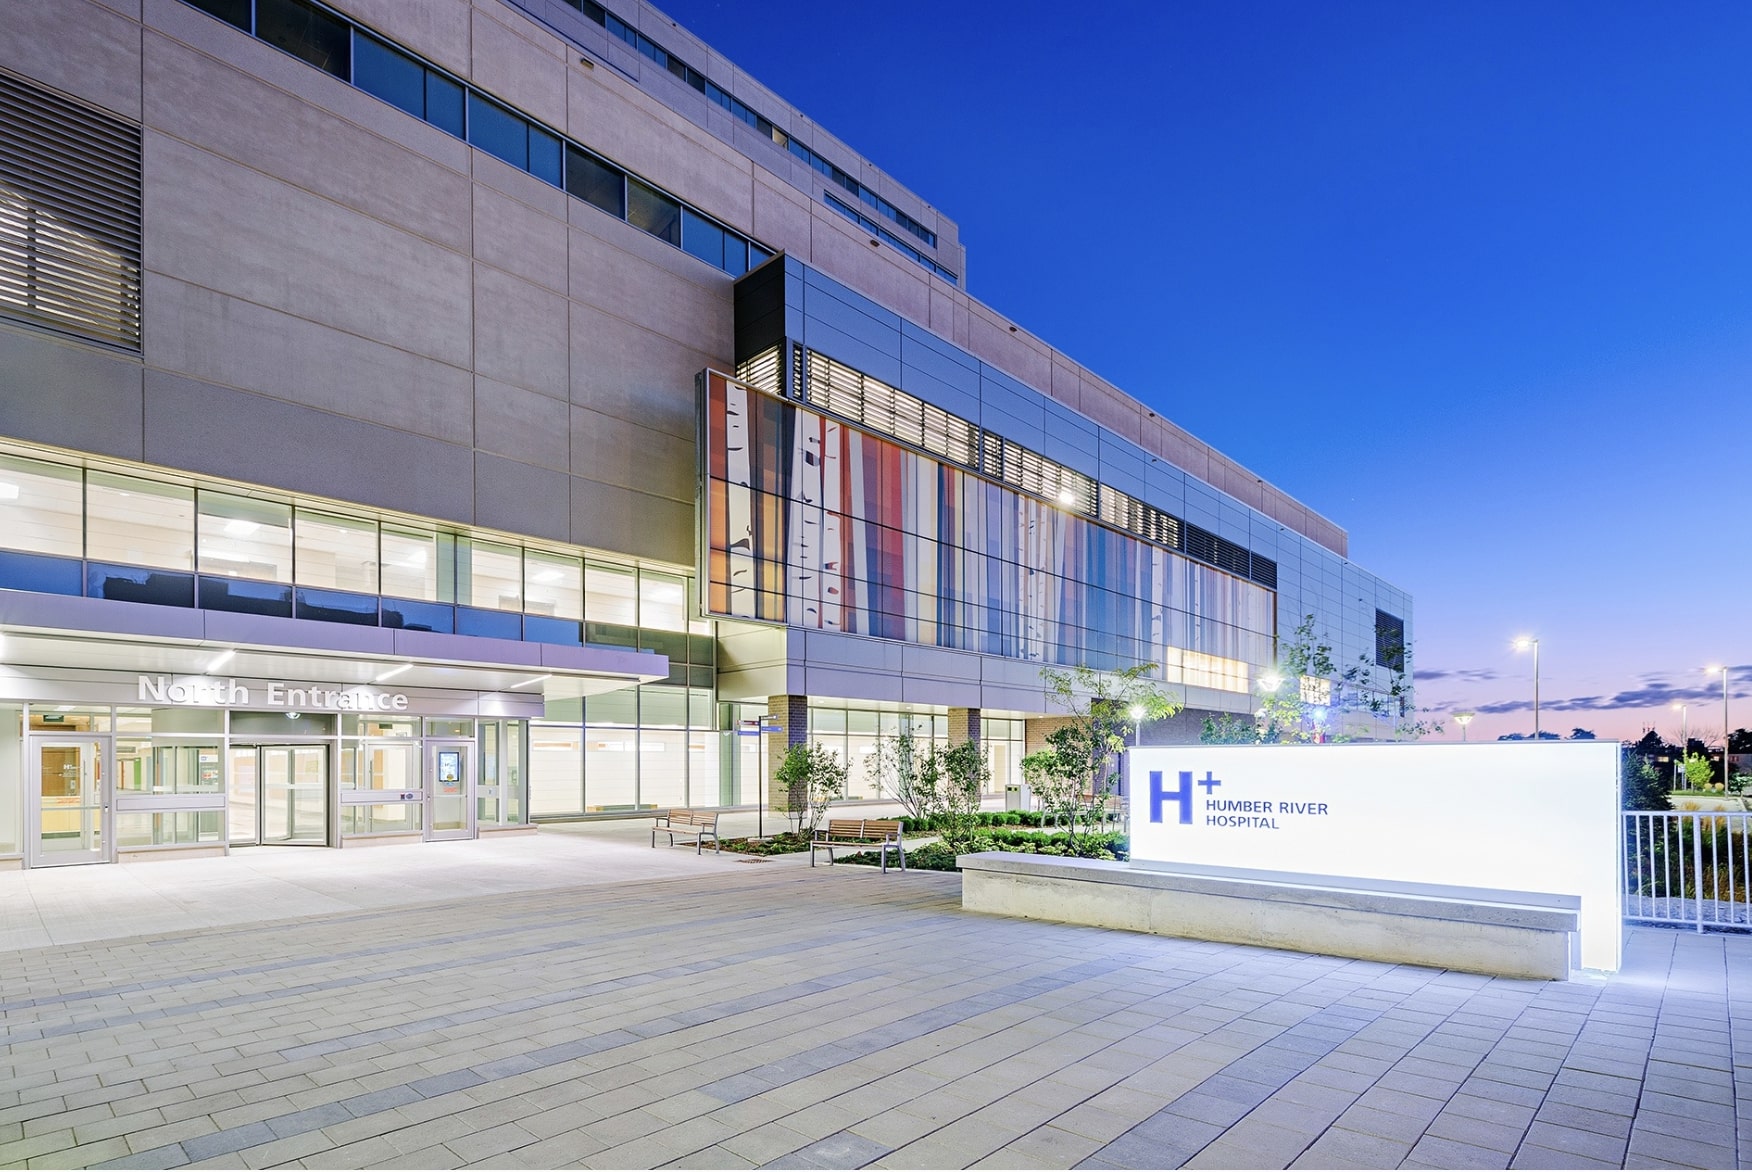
(1535,817)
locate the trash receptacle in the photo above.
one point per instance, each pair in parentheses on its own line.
(1017,796)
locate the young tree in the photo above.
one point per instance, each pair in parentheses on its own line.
(1699,771)
(894,766)
(1641,786)
(1104,709)
(820,775)
(961,773)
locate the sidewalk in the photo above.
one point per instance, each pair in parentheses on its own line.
(577,998)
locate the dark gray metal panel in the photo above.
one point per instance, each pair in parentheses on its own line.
(521,498)
(760,310)
(233,434)
(61,392)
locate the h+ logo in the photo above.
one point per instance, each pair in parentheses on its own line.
(1182,795)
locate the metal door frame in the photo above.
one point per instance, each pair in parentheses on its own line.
(35,741)
(429,788)
(259,748)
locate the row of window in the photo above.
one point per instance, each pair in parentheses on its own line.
(870,225)
(664,59)
(878,407)
(331,43)
(106,517)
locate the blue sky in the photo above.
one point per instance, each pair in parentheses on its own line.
(1470,279)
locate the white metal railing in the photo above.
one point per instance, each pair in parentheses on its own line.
(1689,868)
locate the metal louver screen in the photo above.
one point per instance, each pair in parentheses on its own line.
(69,215)
(763,371)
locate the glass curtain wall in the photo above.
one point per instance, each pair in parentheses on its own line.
(144,539)
(169,778)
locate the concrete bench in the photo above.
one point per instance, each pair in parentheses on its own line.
(1503,933)
(698,825)
(878,834)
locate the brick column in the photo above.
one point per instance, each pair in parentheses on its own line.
(1037,729)
(786,724)
(964,725)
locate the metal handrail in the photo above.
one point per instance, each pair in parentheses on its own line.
(1688,867)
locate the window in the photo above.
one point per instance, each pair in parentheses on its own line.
(1389,641)
(242,537)
(230,11)
(307,33)
(498,131)
(544,156)
(388,74)
(411,84)
(553,585)
(336,552)
(443,103)
(410,563)
(69,216)
(610,595)
(489,575)
(594,182)
(702,238)
(41,508)
(139,522)
(662,602)
(653,211)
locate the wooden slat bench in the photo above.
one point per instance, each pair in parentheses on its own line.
(696,824)
(863,834)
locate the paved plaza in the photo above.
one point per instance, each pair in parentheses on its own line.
(576,998)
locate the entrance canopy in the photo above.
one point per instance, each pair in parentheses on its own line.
(75,646)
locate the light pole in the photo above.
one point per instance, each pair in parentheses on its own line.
(1724,670)
(1463,719)
(1522,644)
(1684,742)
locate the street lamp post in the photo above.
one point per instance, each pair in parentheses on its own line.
(1522,644)
(1684,743)
(1724,670)
(1463,719)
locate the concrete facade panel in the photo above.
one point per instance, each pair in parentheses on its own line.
(607,113)
(780,216)
(614,451)
(240,117)
(522,240)
(623,370)
(56,391)
(224,432)
(520,65)
(524,425)
(521,333)
(214,223)
(640,279)
(78,47)
(219,339)
(635,524)
(521,498)
(438,29)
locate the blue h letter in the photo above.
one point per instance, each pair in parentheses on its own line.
(1183,795)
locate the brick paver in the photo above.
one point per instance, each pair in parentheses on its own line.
(709,1013)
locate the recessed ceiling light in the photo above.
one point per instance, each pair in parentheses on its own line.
(393,672)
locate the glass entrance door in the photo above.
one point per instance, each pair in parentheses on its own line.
(279,795)
(449,790)
(71,801)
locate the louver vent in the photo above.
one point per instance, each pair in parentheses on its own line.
(836,387)
(763,370)
(69,215)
